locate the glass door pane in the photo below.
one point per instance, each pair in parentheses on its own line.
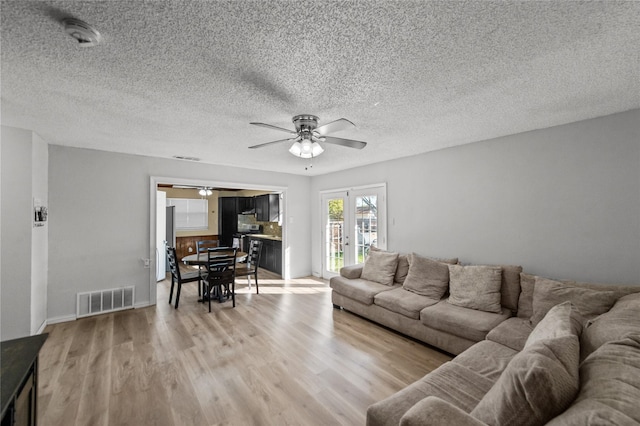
(335,233)
(366,224)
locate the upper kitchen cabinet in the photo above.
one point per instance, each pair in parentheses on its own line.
(267,208)
(245,205)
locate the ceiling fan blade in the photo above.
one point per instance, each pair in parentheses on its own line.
(335,126)
(269,126)
(344,142)
(272,143)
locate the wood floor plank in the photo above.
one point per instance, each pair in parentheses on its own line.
(281,357)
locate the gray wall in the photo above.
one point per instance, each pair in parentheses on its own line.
(563,202)
(99,219)
(23,270)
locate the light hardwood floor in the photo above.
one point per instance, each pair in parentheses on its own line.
(283,357)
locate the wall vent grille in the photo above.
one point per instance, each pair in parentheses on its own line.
(103,301)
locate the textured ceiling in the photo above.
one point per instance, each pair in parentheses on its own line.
(186,77)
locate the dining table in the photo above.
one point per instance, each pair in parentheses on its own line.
(201,259)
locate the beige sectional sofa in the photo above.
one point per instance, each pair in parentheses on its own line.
(557,352)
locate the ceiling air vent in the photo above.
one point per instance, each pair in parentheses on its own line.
(82,32)
(182,157)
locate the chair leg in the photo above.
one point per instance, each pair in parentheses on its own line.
(256,279)
(178,294)
(233,292)
(173,281)
(249,281)
(209,296)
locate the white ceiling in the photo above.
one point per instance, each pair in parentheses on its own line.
(186,77)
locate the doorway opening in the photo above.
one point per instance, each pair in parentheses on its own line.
(182,213)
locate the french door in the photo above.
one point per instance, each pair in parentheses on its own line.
(353,221)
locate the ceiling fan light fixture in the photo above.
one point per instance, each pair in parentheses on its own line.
(306,149)
(205,192)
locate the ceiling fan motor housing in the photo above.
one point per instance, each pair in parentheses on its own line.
(305,123)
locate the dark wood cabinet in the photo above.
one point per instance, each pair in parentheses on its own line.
(19,380)
(271,256)
(227,220)
(245,205)
(267,207)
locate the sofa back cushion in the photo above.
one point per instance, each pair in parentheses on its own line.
(609,387)
(427,277)
(525,301)
(510,288)
(548,293)
(527,285)
(622,319)
(540,382)
(476,287)
(380,267)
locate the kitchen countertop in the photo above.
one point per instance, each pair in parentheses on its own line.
(267,237)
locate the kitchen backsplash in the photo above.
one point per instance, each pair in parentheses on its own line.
(268,228)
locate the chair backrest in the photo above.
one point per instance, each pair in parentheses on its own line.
(173,263)
(255,250)
(203,245)
(220,265)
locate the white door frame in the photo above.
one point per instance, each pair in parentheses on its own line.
(353,192)
(153,187)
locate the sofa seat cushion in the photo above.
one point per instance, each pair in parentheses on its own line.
(471,324)
(622,319)
(451,382)
(487,358)
(609,387)
(358,289)
(403,302)
(512,333)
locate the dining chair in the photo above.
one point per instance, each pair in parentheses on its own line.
(179,277)
(219,274)
(203,245)
(253,262)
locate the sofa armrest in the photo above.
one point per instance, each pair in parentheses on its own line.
(434,411)
(351,272)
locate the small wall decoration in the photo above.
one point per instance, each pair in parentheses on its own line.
(40,213)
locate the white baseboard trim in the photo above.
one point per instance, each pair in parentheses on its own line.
(42,326)
(141,305)
(64,318)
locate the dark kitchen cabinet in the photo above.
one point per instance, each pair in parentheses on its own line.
(227,220)
(271,256)
(245,204)
(267,208)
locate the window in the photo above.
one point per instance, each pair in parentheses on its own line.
(191,213)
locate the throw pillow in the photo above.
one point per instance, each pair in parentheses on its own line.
(380,267)
(403,265)
(426,277)
(561,320)
(539,383)
(609,387)
(476,287)
(548,293)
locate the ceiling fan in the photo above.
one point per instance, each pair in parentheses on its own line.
(307,136)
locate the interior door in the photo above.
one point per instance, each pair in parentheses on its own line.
(354,220)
